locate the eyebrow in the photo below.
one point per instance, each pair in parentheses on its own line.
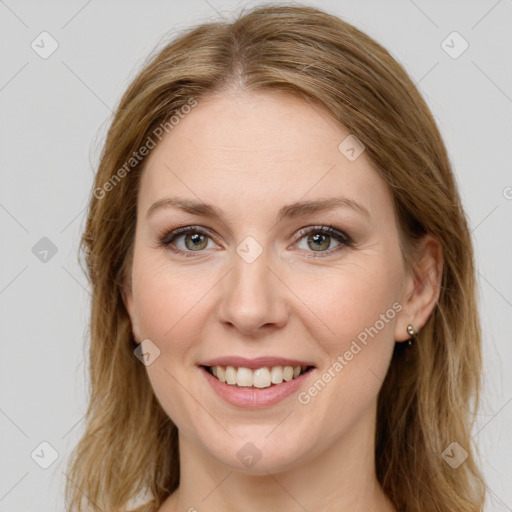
(293,210)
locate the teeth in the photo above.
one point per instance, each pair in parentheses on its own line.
(288,373)
(230,375)
(259,378)
(244,377)
(276,375)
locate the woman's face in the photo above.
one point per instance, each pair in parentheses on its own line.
(257,283)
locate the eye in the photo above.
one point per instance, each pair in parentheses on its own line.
(320,239)
(188,239)
(193,239)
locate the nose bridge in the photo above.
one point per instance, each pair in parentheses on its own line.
(252,296)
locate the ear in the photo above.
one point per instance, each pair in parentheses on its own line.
(127,295)
(421,289)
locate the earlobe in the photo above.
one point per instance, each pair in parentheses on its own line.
(422,290)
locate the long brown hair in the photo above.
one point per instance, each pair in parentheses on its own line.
(430,394)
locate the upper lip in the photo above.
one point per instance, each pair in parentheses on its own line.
(258,362)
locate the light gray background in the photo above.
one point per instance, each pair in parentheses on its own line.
(54,115)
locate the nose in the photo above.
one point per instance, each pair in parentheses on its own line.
(254,299)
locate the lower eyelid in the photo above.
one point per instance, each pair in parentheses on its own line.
(170,240)
(183,235)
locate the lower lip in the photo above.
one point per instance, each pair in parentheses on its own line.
(255,397)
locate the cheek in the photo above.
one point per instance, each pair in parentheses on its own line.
(358,303)
(168,301)
(352,298)
(169,307)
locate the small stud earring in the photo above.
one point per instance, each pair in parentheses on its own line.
(413,333)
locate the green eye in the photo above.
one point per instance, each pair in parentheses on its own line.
(195,241)
(319,239)
(192,239)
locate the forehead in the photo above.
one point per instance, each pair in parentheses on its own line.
(259,149)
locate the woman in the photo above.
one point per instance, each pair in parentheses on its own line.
(284,312)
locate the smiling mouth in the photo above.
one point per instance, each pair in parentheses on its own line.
(256,378)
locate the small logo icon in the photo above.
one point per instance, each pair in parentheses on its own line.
(351,147)
(147,352)
(454,455)
(44,45)
(454,45)
(44,250)
(44,455)
(249,249)
(249,455)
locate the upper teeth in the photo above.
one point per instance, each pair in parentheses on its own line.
(259,378)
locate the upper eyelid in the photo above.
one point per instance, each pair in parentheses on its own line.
(182,231)
(345,238)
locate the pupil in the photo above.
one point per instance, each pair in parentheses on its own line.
(319,241)
(197,241)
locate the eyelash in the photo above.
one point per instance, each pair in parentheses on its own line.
(167,238)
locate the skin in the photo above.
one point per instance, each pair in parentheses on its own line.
(250,154)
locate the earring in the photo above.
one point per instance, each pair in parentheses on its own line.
(413,333)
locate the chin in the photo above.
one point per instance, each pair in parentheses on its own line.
(253,451)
